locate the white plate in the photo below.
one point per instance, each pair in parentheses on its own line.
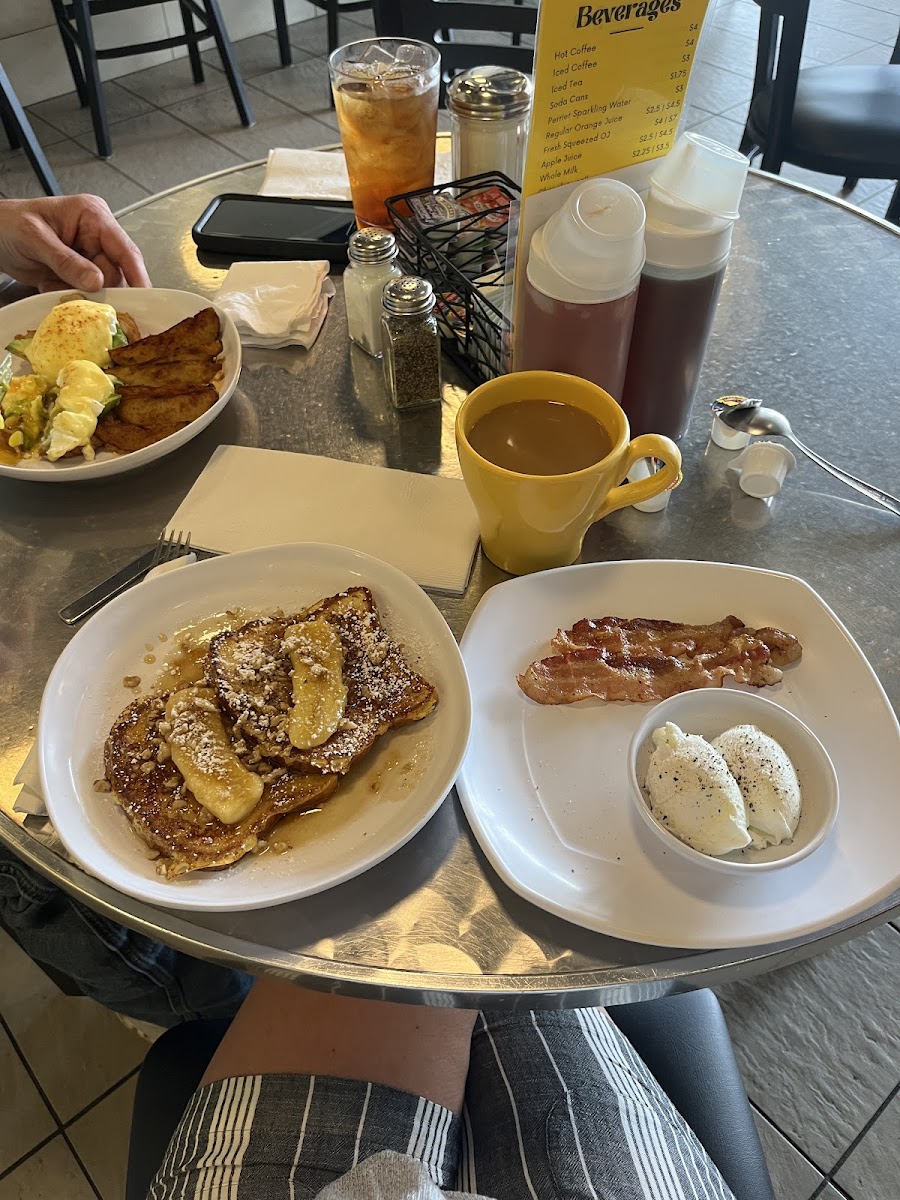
(357,828)
(546,787)
(154,309)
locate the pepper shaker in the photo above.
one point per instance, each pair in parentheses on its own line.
(489,113)
(372,252)
(412,344)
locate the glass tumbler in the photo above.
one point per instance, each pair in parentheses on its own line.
(386,98)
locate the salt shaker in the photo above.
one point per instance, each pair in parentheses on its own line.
(489,112)
(372,252)
(412,345)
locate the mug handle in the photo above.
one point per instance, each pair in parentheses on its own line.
(648,445)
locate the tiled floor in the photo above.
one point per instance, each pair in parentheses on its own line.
(819,1043)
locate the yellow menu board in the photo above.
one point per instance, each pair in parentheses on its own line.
(610,81)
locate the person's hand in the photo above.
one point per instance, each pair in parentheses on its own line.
(67,241)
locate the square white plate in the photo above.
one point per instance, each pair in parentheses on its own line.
(545,787)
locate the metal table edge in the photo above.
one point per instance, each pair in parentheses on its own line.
(695,969)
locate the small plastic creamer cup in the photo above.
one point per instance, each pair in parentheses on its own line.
(703,174)
(763,467)
(726,437)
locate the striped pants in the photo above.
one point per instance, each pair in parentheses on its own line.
(558,1105)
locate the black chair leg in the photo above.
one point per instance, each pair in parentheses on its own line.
(331,19)
(193,43)
(281,29)
(893,209)
(20,133)
(517,37)
(848,185)
(91,69)
(223,44)
(62,23)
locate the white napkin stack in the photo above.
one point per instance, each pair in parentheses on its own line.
(277,303)
(322,174)
(246,497)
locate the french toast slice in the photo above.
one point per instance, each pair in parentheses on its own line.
(251,672)
(166,816)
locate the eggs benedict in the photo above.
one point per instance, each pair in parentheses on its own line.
(84,394)
(77,329)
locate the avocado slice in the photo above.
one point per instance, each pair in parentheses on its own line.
(119,338)
(23,408)
(20,347)
(5,373)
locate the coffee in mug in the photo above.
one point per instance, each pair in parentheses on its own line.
(543,455)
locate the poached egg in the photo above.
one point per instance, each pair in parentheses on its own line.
(77,329)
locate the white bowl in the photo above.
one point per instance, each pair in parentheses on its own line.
(709,712)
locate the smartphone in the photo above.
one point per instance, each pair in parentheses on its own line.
(276,227)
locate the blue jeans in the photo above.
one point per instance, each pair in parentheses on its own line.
(124,971)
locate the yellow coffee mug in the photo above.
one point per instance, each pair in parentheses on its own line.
(532,522)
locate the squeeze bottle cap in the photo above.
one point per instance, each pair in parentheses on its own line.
(693,203)
(703,174)
(592,249)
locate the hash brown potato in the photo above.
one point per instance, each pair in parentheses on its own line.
(155,406)
(186,373)
(199,336)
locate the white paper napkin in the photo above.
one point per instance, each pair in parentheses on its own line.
(30,802)
(246,498)
(321,174)
(277,303)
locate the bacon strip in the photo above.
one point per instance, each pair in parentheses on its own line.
(639,660)
(638,634)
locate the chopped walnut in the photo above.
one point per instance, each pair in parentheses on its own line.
(147,767)
(102,785)
(131,681)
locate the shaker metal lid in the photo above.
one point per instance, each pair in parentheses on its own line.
(371,245)
(408,295)
(489,93)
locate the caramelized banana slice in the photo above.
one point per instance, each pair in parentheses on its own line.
(320,697)
(203,754)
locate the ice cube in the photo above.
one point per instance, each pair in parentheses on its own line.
(376,55)
(412,56)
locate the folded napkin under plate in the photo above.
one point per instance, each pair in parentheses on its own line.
(277,303)
(245,498)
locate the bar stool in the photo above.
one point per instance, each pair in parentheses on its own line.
(20,135)
(73,17)
(332,10)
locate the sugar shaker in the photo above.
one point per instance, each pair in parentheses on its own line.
(489,113)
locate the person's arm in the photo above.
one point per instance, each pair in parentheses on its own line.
(285,1029)
(67,241)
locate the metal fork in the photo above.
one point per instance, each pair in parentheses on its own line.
(169,546)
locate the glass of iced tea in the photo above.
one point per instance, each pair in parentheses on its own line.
(386,96)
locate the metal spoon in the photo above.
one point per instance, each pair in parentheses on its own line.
(752,418)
